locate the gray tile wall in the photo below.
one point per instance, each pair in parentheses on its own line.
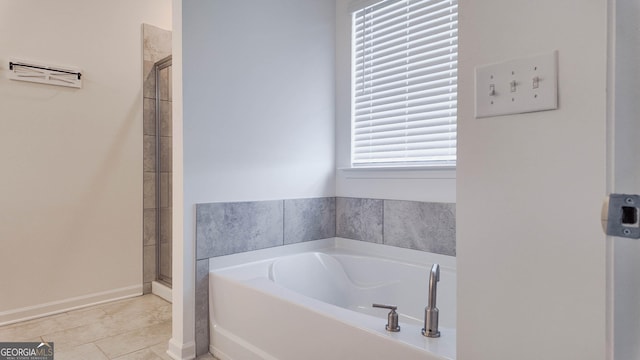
(421,226)
(202,306)
(309,219)
(409,224)
(359,219)
(228,228)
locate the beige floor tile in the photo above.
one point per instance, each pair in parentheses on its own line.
(12,334)
(82,352)
(130,320)
(89,326)
(145,303)
(135,340)
(31,322)
(81,317)
(108,325)
(30,329)
(136,328)
(18,338)
(81,335)
(161,350)
(42,326)
(144,354)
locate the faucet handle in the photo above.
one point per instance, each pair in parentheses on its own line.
(392,317)
(390,307)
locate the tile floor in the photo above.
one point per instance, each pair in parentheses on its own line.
(131,329)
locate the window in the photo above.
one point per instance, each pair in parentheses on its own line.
(404,83)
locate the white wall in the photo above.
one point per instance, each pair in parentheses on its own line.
(417,185)
(182,344)
(530,249)
(625,172)
(71,184)
(258,99)
(258,109)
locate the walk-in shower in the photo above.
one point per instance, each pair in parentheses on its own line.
(163,170)
(157,162)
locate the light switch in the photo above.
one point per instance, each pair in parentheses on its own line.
(517,86)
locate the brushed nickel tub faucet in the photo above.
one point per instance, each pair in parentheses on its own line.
(431,311)
(392,318)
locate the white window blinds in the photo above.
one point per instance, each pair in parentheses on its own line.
(404,93)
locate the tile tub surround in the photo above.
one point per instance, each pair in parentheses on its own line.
(229,228)
(359,219)
(420,226)
(408,224)
(233,227)
(202,307)
(309,219)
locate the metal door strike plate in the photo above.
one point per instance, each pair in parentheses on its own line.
(620,215)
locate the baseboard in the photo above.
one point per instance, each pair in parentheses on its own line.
(218,354)
(180,351)
(60,306)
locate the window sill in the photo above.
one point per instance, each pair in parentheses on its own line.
(399,172)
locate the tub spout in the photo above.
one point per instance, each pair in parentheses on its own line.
(431,311)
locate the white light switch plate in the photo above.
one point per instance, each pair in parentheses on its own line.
(517,86)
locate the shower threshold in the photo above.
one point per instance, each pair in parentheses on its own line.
(162,290)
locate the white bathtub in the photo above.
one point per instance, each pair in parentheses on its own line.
(317,304)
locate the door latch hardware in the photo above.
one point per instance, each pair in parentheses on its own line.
(621,215)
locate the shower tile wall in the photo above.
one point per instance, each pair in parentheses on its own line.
(156,46)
